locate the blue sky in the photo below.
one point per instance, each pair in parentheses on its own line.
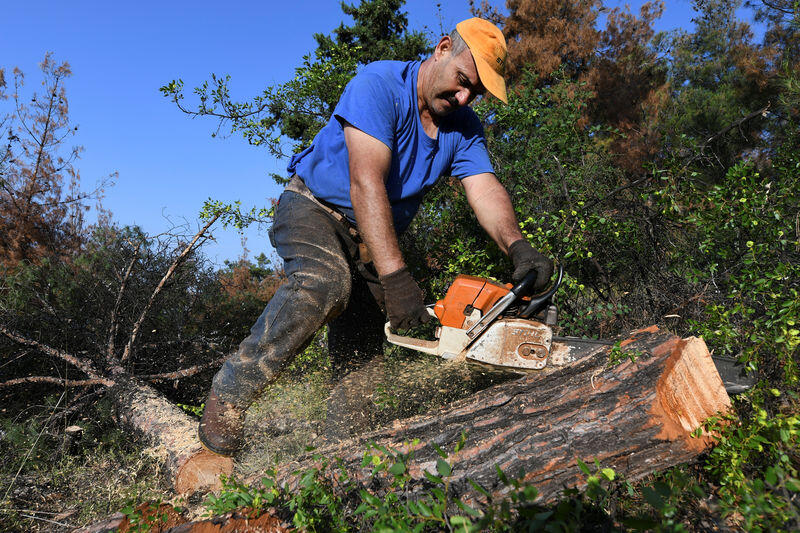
(122,52)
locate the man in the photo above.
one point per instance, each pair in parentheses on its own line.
(397,128)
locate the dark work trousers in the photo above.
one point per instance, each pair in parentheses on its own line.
(324,285)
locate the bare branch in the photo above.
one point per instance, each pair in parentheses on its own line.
(85,366)
(737,124)
(114,326)
(615,192)
(135,332)
(184,373)
(57,381)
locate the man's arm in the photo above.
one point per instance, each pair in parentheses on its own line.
(370,161)
(490,201)
(492,205)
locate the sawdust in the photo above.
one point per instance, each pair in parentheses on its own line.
(307,410)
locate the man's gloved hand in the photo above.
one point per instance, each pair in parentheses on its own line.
(525,259)
(403,298)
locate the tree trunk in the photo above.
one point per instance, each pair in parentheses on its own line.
(142,410)
(634,417)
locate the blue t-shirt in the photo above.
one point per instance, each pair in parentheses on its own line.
(382,101)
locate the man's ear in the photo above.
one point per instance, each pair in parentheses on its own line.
(444,47)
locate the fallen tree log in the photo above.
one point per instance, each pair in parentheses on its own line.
(143,411)
(633,416)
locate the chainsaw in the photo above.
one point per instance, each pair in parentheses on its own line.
(489,323)
(503,327)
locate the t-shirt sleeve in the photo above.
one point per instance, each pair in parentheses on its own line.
(471,156)
(369,105)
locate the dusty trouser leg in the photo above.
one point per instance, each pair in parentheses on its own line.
(355,346)
(317,289)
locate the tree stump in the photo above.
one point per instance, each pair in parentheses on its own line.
(635,417)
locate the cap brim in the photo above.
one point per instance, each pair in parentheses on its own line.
(491,80)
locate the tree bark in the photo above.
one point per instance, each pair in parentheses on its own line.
(635,417)
(143,411)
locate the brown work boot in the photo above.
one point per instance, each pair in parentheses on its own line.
(221,429)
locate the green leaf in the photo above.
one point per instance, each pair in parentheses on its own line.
(653,498)
(397,469)
(440,451)
(608,473)
(584,468)
(433,479)
(459,520)
(467,509)
(443,467)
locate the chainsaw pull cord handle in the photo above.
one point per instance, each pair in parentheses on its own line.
(537,303)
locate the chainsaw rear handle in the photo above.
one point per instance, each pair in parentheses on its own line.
(524,287)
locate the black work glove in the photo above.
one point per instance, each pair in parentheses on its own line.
(525,259)
(403,298)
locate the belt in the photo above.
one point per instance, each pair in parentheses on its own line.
(297,185)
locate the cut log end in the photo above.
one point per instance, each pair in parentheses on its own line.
(688,392)
(202,471)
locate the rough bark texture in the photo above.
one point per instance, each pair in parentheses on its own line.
(146,413)
(635,417)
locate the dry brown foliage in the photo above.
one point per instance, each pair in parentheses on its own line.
(42,207)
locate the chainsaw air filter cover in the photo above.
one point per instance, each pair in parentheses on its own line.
(465,295)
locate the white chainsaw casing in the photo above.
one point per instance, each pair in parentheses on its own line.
(513,343)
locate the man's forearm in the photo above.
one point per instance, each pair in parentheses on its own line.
(375,224)
(496,215)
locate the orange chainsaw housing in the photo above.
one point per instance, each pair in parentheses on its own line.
(465,294)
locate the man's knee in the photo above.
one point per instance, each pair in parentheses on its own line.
(327,289)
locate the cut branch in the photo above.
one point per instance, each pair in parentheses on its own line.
(85,366)
(175,264)
(184,373)
(57,381)
(114,326)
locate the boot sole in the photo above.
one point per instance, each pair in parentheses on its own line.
(224,452)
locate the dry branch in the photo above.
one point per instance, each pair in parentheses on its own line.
(184,373)
(57,381)
(175,264)
(114,323)
(84,366)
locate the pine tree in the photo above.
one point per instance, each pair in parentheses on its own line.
(41,205)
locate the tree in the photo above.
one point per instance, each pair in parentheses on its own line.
(718,76)
(41,205)
(548,35)
(123,318)
(621,64)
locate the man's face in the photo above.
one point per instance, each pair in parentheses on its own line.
(454,83)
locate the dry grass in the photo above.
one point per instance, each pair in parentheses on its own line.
(71,482)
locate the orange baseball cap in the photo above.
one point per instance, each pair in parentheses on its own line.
(488,47)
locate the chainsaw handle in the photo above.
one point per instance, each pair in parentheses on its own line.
(524,287)
(425,346)
(537,302)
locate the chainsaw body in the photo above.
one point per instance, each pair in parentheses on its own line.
(494,324)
